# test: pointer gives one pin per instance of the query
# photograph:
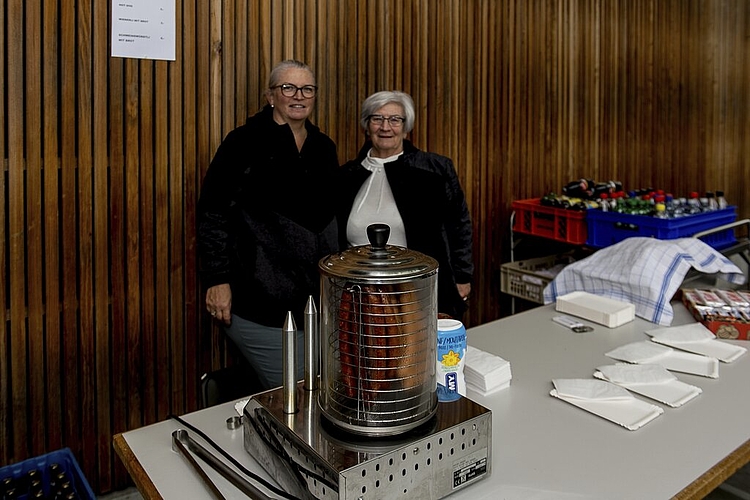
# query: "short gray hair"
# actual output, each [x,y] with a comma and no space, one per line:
[380,99]
[275,76]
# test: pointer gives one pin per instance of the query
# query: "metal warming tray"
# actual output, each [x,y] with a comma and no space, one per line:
[312,458]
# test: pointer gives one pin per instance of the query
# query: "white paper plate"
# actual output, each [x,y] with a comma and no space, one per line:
[673,393]
[678,361]
[711,348]
[631,414]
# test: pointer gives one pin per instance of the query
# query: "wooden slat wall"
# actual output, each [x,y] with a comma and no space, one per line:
[102,325]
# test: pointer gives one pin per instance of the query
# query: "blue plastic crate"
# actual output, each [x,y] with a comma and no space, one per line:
[608,228]
[64,457]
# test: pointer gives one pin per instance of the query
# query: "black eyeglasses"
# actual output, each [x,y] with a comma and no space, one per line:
[289,90]
[395,120]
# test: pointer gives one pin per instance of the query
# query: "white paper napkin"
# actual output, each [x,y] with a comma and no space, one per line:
[639,352]
[653,381]
[647,352]
[698,339]
[606,400]
[584,388]
[623,373]
[486,372]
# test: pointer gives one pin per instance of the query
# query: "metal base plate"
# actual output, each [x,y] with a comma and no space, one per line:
[311,458]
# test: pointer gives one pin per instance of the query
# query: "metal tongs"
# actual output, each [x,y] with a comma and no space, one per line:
[183,443]
[572,323]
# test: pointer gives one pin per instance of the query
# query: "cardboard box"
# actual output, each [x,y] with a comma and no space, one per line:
[725,325]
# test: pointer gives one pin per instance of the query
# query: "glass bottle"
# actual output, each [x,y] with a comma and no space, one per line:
[711,203]
[720,200]
[661,211]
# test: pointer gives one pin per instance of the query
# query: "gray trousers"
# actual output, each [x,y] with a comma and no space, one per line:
[261,346]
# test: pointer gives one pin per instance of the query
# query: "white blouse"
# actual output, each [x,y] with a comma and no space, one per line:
[374,203]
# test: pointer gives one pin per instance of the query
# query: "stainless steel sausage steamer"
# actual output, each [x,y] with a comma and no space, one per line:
[310,458]
[374,428]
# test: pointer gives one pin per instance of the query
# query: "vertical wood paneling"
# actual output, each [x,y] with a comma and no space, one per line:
[51,163]
[16,238]
[173,222]
[131,262]
[69,332]
[84,208]
[101,236]
[103,324]
[33,188]
[120,397]
[144,240]
[163,286]
[6,374]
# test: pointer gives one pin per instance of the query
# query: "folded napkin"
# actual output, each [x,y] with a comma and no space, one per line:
[645,272]
[652,381]
[484,372]
[627,374]
[698,339]
[647,352]
[584,388]
[606,400]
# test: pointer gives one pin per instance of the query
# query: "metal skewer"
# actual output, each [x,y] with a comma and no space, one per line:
[289,368]
[311,345]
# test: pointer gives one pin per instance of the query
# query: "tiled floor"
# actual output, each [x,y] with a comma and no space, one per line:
[128,494]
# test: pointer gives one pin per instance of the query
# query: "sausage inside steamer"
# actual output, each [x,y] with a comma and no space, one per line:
[382,340]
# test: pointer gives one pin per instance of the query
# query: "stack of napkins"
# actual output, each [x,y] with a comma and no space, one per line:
[485,373]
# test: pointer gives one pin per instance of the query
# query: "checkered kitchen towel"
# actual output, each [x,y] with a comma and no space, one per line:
[643,271]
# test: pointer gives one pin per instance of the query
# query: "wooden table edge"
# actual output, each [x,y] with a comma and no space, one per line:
[717,474]
[133,466]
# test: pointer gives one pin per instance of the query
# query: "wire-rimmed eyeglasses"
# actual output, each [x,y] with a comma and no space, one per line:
[289,90]
[395,120]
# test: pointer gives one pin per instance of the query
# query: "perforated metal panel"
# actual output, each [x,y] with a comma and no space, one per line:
[450,452]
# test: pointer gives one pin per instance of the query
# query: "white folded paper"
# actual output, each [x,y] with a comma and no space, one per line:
[647,352]
[698,339]
[606,400]
[484,372]
[603,310]
[653,381]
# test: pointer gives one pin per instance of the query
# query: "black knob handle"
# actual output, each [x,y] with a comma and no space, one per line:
[378,235]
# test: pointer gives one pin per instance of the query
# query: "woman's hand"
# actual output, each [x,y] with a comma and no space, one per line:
[464,289]
[219,302]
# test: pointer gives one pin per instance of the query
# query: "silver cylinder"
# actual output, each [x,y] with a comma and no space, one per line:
[312,351]
[378,334]
[289,366]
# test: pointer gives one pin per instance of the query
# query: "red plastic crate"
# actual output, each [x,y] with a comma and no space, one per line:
[531,217]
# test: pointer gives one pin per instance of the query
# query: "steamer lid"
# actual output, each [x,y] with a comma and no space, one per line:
[378,260]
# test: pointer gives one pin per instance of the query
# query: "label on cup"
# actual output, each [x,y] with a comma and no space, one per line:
[451,351]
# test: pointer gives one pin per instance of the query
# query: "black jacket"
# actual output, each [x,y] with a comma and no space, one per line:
[266,216]
[433,207]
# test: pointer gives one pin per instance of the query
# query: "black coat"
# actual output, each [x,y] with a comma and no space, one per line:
[433,207]
[266,216]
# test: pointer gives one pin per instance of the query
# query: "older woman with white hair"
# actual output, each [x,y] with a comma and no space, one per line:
[415,192]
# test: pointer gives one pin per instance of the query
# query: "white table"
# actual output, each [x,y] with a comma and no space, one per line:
[542,448]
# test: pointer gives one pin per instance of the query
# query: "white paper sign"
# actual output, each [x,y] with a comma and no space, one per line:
[143,29]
